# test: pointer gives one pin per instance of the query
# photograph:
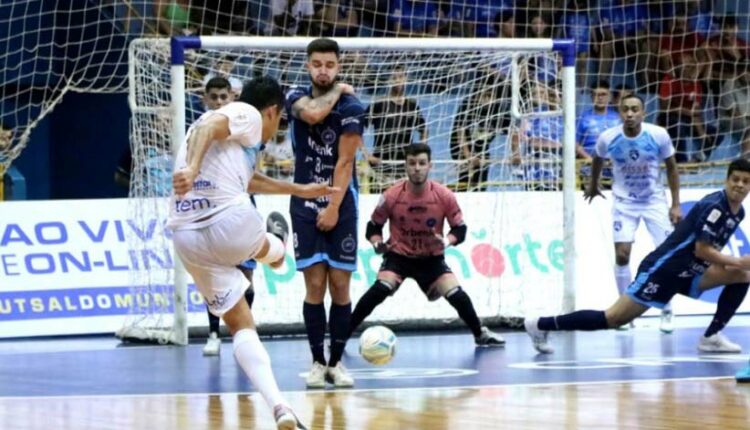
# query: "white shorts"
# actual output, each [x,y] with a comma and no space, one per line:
[210,254]
[627,216]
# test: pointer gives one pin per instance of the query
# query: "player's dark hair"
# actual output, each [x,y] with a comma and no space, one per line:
[739,165]
[419,148]
[633,96]
[262,92]
[323,45]
[601,83]
[218,83]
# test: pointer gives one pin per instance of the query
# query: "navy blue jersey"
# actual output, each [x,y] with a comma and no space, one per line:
[316,150]
[710,221]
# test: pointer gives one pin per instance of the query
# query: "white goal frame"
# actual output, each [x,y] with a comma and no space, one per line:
[566,49]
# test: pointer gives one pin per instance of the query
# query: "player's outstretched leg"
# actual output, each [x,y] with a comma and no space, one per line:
[276,225]
[622,312]
[729,300]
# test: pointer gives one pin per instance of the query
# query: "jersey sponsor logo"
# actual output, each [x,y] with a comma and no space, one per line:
[714,215]
[417,209]
[348,245]
[186,205]
[634,154]
[203,184]
[328,136]
[320,149]
[730,223]
[350,120]
[617,225]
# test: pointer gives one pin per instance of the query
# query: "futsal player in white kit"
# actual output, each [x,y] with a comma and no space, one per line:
[216,227]
[636,150]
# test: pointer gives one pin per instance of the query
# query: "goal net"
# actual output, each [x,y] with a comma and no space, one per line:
[500,102]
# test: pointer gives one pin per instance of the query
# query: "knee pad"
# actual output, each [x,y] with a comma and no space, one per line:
[452,291]
[276,250]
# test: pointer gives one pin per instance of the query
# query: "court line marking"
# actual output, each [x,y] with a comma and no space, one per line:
[370,390]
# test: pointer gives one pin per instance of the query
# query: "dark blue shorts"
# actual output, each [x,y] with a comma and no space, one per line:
[655,288]
[337,247]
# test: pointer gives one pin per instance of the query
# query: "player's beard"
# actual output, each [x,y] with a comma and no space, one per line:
[323,88]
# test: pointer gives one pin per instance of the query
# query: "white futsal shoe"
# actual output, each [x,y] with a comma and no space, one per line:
[665,324]
[538,337]
[489,338]
[276,225]
[213,345]
[316,378]
[339,376]
[286,419]
[718,343]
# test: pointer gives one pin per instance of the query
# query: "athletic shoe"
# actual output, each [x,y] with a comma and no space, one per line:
[286,419]
[276,225]
[718,343]
[488,338]
[213,345]
[624,327]
[317,376]
[743,375]
[339,376]
[538,337]
[665,325]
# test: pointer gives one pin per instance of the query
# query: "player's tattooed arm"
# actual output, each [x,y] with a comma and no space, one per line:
[314,110]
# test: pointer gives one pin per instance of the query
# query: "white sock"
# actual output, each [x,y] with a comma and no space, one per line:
[254,360]
[667,308]
[623,278]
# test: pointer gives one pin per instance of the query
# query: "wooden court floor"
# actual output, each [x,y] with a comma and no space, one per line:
[709,403]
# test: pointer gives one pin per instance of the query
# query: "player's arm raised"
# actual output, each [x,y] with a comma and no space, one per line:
[262,184]
[342,177]
[215,127]
[314,110]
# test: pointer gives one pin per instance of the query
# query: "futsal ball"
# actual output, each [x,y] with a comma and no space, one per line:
[377,345]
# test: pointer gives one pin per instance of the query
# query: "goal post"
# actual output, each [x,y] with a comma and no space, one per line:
[422,51]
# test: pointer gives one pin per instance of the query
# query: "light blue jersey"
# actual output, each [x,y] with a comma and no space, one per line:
[591,124]
[636,162]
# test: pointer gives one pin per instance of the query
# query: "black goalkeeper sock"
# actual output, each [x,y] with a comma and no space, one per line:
[462,304]
[339,320]
[579,320]
[315,324]
[213,322]
[374,296]
[249,297]
[729,300]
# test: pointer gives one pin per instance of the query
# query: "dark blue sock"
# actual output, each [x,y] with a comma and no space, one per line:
[374,296]
[462,304]
[315,324]
[213,322]
[729,300]
[249,297]
[579,320]
[338,325]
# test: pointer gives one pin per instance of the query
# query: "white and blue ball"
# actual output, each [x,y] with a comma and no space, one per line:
[377,345]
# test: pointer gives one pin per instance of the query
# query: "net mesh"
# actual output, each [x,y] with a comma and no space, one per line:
[458,101]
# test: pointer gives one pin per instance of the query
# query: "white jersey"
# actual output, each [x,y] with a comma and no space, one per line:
[636,162]
[225,172]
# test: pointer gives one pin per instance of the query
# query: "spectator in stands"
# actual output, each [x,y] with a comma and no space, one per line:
[734,108]
[339,18]
[394,120]
[544,67]
[173,17]
[221,17]
[477,18]
[576,25]
[538,145]
[594,121]
[726,51]
[217,93]
[622,33]
[700,19]
[505,23]
[278,155]
[677,42]
[481,117]
[621,91]
[681,98]
[6,137]
[224,68]
[418,18]
[291,17]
